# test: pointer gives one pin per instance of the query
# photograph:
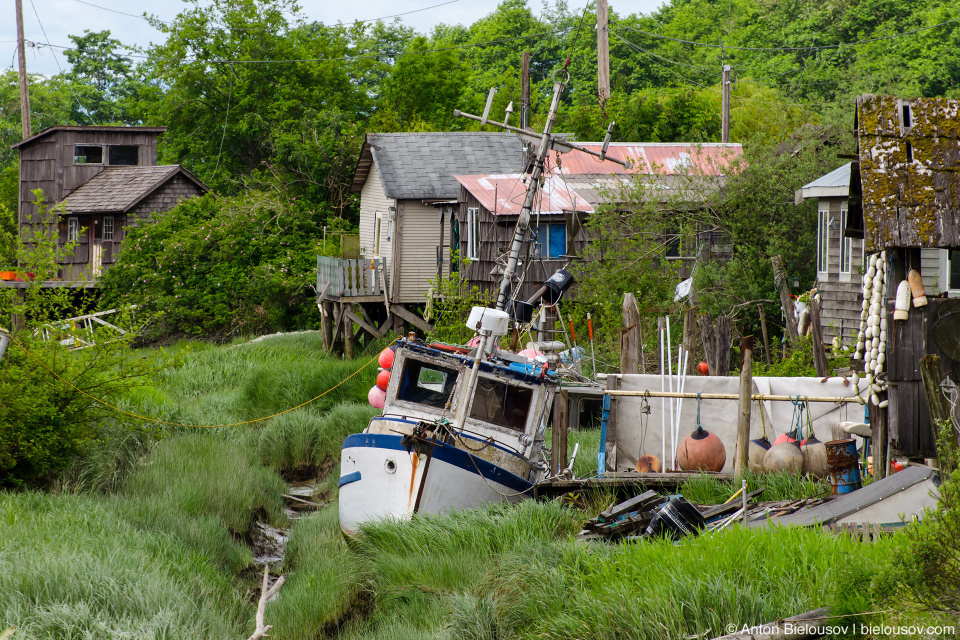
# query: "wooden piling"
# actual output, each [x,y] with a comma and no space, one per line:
[743,417]
[819,352]
[629,336]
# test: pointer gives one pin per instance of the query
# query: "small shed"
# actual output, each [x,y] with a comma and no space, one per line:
[107,178]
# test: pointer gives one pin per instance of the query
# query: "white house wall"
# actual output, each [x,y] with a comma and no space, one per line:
[418,240]
[372,200]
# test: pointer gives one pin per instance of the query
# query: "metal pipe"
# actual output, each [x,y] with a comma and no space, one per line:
[460,419]
[727,396]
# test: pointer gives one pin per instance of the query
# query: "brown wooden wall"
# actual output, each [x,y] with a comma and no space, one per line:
[163,199]
[496,233]
[911,433]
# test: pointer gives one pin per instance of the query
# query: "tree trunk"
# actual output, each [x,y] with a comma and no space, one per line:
[819,353]
[743,417]
[708,338]
[783,288]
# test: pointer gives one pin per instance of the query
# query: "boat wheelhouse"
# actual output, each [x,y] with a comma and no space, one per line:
[414,458]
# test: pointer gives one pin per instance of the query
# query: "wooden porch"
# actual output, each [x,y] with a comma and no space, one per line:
[354,301]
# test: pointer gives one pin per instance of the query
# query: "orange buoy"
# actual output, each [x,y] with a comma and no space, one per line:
[703,369]
[649,464]
[701,450]
[790,436]
[385,359]
[383,379]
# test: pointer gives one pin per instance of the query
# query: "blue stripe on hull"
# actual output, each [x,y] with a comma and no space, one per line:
[446,453]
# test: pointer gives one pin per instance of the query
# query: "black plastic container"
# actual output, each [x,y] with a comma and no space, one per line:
[556,285]
[676,519]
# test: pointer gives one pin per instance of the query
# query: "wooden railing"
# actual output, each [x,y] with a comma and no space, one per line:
[350,278]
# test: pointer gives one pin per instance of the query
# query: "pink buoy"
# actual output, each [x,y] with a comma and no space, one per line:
[376,397]
[383,379]
[385,360]
[529,354]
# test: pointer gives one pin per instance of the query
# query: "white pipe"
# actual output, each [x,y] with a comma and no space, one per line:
[673,454]
[673,425]
[663,407]
[683,385]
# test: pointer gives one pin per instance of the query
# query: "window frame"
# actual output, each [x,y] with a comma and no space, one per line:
[952,291]
[539,243]
[109,156]
[473,233]
[73,229]
[103,155]
[846,247]
[823,240]
[105,232]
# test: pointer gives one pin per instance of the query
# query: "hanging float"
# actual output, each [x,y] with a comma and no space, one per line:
[701,450]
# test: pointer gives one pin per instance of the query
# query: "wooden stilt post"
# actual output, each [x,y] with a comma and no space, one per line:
[743,417]
[783,288]
[348,336]
[629,338]
[326,325]
[555,436]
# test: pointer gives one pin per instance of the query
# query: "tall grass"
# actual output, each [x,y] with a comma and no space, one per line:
[72,566]
[777,486]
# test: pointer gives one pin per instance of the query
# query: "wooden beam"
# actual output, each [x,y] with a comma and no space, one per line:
[351,316]
[402,312]
[629,336]
[326,324]
[819,353]
[743,417]
[783,288]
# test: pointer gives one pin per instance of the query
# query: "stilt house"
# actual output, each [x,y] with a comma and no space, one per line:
[905,201]
[107,179]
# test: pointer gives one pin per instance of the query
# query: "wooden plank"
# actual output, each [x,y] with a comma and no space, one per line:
[351,316]
[412,318]
[819,353]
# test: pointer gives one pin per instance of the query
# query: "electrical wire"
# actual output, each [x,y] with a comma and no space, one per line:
[805,48]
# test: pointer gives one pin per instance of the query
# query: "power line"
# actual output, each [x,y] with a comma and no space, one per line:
[124,13]
[659,57]
[342,59]
[807,48]
[85,111]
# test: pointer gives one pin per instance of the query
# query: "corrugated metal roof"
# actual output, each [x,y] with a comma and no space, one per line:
[653,158]
[117,189]
[503,194]
[837,178]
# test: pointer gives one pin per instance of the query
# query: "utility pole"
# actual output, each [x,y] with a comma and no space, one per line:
[525,90]
[24,92]
[603,53]
[725,118]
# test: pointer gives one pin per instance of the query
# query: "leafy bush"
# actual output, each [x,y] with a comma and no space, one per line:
[221,267]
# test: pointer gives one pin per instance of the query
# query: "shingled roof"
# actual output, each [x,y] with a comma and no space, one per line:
[119,189]
[423,165]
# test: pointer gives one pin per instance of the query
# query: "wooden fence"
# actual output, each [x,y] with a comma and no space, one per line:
[350,278]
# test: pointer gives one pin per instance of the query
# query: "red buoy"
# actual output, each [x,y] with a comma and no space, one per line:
[386,358]
[383,379]
[790,436]
[701,450]
[649,464]
[703,369]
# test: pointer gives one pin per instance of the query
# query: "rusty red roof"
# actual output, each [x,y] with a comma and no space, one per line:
[503,194]
[663,158]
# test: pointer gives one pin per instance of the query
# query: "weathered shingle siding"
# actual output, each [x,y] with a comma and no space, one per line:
[165,198]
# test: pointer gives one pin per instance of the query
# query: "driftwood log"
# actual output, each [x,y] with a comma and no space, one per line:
[265,594]
[799,627]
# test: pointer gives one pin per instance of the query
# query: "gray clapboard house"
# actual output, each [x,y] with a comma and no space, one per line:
[841,258]
[408,207]
[107,179]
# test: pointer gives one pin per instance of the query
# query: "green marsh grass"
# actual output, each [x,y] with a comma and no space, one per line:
[72,566]
[777,486]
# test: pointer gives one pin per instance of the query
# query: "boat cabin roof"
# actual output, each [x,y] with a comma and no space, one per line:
[505,372]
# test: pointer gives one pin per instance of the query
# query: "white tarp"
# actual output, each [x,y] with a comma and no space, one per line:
[640,434]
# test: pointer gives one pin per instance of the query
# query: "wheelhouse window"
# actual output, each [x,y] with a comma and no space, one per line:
[823,238]
[87,154]
[427,384]
[501,404]
[550,240]
[124,155]
[108,228]
[473,233]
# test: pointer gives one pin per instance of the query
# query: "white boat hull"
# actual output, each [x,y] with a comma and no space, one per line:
[381,479]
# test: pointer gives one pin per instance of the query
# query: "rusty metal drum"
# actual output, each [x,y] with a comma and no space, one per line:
[843,466]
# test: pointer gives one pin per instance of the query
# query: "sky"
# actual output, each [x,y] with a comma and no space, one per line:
[53,20]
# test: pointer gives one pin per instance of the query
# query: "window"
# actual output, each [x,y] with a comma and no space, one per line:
[87,154]
[953,269]
[426,384]
[501,404]
[377,229]
[473,233]
[124,154]
[823,237]
[550,239]
[846,245]
[73,229]
[108,228]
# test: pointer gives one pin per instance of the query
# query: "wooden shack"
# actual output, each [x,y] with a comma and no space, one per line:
[107,179]
[905,200]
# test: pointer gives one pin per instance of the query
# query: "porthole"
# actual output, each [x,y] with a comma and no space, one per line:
[391,465]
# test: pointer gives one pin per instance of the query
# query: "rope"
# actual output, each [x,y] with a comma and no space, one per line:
[699,426]
[180,424]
